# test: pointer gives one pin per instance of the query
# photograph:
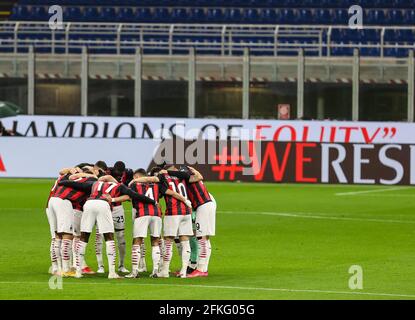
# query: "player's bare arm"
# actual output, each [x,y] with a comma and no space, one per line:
[146,180]
[121,199]
[72,171]
[196,175]
[82,175]
[108,178]
[179,197]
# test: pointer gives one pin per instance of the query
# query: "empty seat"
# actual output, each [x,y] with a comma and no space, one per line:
[304,17]
[72,14]
[233,15]
[215,15]
[251,16]
[322,16]
[161,15]
[126,14]
[269,16]
[91,14]
[179,15]
[144,15]
[197,15]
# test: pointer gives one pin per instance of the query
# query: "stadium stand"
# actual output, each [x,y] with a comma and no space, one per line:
[311,13]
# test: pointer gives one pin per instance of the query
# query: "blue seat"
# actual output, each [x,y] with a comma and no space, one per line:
[161,15]
[288,16]
[304,16]
[126,14]
[341,17]
[72,14]
[377,17]
[250,16]
[20,13]
[215,15]
[108,14]
[323,16]
[197,15]
[144,15]
[179,15]
[395,17]
[269,16]
[409,17]
[39,13]
[91,14]
[233,15]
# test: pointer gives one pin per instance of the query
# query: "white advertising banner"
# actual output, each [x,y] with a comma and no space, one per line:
[150,128]
[44,157]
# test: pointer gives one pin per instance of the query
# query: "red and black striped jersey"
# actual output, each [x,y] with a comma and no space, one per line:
[98,190]
[125,178]
[176,207]
[152,190]
[76,197]
[198,194]
[54,188]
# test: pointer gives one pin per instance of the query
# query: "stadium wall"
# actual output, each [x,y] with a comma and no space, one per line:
[284,151]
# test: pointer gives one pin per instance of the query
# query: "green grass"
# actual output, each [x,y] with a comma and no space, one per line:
[273,241]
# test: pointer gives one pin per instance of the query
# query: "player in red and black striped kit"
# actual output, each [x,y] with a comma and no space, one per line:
[123,175]
[205,206]
[148,216]
[56,239]
[97,209]
[177,222]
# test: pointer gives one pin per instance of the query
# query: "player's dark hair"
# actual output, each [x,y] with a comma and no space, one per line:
[102,165]
[154,171]
[141,172]
[119,166]
[86,170]
[84,164]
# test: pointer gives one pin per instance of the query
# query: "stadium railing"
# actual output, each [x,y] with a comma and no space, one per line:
[212,39]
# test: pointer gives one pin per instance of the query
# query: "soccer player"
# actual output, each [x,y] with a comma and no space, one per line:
[148,216]
[121,175]
[56,239]
[205,206]
[177,222]
[97,210]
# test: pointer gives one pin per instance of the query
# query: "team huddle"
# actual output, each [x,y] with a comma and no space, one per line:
[90,195]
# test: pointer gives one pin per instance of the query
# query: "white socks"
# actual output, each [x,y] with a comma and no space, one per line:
[80,255]
[135,257]
[155,255]
[66,248]
[111,255]
[98,249]
[168,252]
[203,255]
[142,263]
[185,256]
[53,256]
[57,249]
[121,246]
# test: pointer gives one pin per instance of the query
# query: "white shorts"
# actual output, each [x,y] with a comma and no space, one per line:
[52,223]
[77,216]
[99,212]
[62,211]
[118,217]
[142,224]
[178,225]
[206,219]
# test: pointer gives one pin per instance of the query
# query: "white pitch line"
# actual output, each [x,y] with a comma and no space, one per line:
[110,283]
[370,191]
[308,216]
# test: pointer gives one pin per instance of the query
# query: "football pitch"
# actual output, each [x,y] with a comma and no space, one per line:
[274,241]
